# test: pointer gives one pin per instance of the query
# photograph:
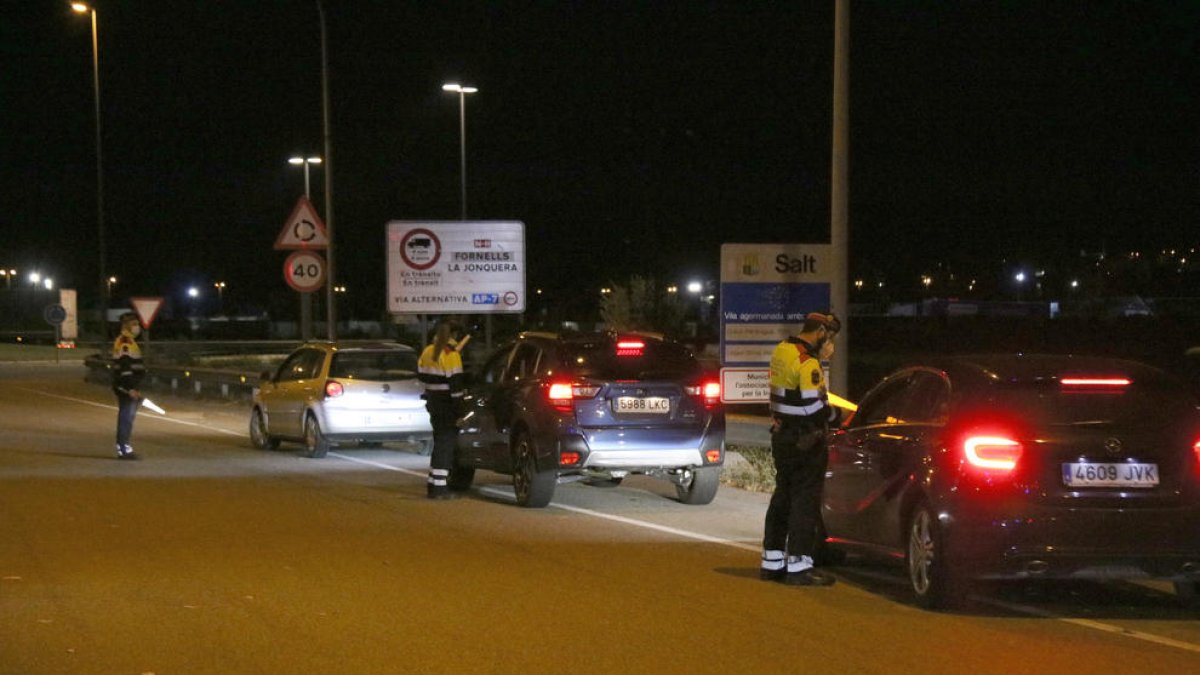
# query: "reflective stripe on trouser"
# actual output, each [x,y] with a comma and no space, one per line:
[773,560]
[793,521]
[437,477]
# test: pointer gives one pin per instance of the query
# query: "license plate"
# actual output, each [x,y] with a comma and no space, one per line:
[1110,475]
[652,405]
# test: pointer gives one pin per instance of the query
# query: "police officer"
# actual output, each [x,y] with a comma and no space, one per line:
[440,369]
[127,371]
[801,415]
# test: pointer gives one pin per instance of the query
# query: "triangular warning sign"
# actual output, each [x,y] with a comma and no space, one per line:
[304,229]
[146,308]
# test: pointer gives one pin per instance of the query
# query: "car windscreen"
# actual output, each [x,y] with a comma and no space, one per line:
[1137,405]
[655,361]
[374,366]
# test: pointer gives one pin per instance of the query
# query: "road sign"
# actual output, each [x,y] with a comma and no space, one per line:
[304,271]
[304,230]
[456,267]
[147,309]
[54,314]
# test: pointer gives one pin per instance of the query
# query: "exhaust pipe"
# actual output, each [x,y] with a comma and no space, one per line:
[1037,568]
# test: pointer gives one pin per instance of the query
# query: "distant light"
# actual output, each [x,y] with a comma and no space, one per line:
[34,277]
[695,287]
[296,160]
[80,7]
[1020,277]
[672,288]
[48,283]
[112,280]
[455,87]
[1074,283]
[194,292]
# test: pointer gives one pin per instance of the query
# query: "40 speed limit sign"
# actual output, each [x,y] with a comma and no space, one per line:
[304,271]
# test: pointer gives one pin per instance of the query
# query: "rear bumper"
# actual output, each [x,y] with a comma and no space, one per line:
[633,449]
[375,424]
[1038,542]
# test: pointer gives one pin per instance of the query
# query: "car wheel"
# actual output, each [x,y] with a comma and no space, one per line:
[460,478]
[533,488]
[1188,593]
[702,488]
[933,583]
[315,443]
[259,434]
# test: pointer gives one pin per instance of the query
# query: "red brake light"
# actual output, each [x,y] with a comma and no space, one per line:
[992,452]
[561,394]
[333,389]
[630,347]
[1095,384]
[568,457]
[710,390]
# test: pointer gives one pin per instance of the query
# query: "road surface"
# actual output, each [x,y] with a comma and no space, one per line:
[211,557]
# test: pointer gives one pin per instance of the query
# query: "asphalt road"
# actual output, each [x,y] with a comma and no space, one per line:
[211,557]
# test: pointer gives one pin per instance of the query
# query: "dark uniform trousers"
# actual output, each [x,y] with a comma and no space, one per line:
[793,522]
[442,416]
[127,408]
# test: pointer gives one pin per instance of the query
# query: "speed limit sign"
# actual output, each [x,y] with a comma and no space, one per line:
[304,271]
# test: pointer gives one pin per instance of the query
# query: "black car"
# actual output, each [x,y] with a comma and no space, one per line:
[550,408]
[1021,467]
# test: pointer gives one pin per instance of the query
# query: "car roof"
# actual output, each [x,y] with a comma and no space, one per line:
[1025,368]
[373,346]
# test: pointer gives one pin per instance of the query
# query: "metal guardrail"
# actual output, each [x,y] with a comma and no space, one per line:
[183,380]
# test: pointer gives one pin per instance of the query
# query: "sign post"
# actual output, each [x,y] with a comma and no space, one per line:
[304,231]
[55,315]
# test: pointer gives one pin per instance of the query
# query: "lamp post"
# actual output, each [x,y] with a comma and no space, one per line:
[8,276]
[306,298]
[462,134]
[305,161]
[220,286]
[82,8]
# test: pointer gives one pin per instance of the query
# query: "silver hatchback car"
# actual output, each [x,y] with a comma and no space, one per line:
[327,394]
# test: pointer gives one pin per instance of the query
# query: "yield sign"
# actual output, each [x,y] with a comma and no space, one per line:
[146,308]
[304,229]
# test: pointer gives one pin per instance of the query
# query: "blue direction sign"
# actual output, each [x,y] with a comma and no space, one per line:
[55,314]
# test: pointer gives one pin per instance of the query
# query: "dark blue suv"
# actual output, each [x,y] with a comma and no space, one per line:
[553,408]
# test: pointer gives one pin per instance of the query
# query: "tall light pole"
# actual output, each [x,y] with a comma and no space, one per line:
[103,288]
[330,305]
[462,134]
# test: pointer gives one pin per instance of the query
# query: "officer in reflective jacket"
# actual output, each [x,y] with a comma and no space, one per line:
[127,373]
[801,416]
[440,369]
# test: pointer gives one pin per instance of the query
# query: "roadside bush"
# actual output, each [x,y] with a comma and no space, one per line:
[755,471]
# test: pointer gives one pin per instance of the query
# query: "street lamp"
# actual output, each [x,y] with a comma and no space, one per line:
[220,286]
[304,161]
[8,275]
[462,134]
[35,278]
[82,8]
[108,283]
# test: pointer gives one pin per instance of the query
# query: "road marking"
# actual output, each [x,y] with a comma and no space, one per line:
[688,534]
[161,418]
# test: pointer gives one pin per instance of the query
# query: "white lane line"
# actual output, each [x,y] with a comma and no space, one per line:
[1032,611]
[161,418]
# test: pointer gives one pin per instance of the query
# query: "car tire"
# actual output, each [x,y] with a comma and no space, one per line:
[1188,593]
[260,435]
[933,583]
[702,489]
[460,478]
[315,443]
[533,488]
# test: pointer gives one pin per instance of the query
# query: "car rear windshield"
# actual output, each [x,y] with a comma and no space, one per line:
[375,366]
[657,361]
[1137,405]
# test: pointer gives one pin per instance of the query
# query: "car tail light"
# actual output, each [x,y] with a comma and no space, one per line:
[709,390]
[562,394]
[630,347]
[568,458]
[333,389]
[992,452]
[1196,452]
[712,456]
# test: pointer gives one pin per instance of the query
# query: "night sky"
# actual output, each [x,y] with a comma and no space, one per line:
[628,136]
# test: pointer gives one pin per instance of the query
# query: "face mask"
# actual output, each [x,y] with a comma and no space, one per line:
[135,330]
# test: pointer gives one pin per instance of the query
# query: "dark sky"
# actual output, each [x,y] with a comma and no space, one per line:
[628,136]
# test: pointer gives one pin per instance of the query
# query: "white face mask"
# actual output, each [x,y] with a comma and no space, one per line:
[826,351]
[135,330]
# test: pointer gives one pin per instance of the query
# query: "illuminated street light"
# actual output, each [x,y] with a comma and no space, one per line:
[193,292]
[108,286]
[48,283]
[220,286]
[462,134]
[8,275]
[695,287]
[83,8]
[305,162]
[35,278]
[672,289]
